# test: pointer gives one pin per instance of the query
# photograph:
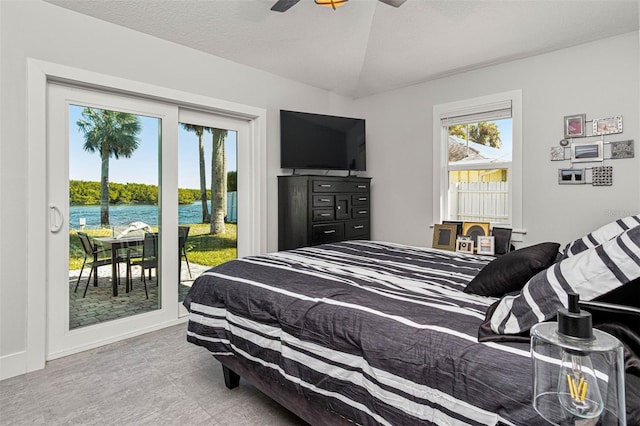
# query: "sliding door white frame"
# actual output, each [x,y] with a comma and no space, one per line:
[39,73]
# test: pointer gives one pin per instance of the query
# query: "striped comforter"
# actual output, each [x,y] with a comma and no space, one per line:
[377,332]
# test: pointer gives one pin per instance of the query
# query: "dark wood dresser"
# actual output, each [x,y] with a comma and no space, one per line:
[321,209]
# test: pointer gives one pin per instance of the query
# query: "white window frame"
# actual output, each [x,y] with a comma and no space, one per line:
[441,160]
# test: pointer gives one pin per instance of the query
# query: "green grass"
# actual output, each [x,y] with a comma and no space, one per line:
[202,247]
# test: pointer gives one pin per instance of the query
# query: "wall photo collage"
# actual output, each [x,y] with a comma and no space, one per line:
[584,145]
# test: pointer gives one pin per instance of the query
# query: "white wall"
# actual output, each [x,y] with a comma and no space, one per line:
[34,29]
[600,79]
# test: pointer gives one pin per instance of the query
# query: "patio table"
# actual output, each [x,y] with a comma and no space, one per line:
[117,244]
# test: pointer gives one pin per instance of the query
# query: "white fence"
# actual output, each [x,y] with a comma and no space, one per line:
[479,201]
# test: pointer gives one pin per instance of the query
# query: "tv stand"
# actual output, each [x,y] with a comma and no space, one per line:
[322,209]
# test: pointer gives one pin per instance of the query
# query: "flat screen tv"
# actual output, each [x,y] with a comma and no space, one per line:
[316,141]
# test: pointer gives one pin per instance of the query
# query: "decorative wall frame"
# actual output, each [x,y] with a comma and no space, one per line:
[602,176]
[622,149]
[557,153]
[587,152]
[486,245]
[444,237]
[574,125]
[464,245]
[571,176]
[607,126]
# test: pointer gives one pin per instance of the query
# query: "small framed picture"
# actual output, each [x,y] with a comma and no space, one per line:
[622,149]
[602,176]
[557,153]
[486,245]
[571,176]
[444,237]
[586,152]
[574,126]
[607,126]
[502,239]
[464,245]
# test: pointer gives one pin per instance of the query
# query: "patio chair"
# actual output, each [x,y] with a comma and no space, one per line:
[183,234]
[95,256]
[148,259]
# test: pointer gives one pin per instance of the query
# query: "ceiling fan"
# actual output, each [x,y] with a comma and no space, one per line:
[284,5]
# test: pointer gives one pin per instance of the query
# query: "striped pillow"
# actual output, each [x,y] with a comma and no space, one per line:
[601,235]
[591,273]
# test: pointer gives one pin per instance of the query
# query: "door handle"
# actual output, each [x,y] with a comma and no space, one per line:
[56,220]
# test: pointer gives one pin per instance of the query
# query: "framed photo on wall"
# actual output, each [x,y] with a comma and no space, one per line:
[444,236]
[607,126]
[574,126]
[587,151]
[572,176]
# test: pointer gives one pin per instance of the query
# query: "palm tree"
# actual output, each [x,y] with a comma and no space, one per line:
[199,131]
[218,182]
[111,134]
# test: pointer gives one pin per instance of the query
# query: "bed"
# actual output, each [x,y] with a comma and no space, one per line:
[365,332]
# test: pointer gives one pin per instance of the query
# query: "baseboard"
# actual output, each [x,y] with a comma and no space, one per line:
[13,365]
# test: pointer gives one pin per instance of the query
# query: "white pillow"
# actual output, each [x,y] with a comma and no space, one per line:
[591,273]
[601,235]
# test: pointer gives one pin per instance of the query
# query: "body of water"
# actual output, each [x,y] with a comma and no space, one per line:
[123,215]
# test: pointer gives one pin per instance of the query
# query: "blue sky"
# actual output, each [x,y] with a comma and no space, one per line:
[142,166]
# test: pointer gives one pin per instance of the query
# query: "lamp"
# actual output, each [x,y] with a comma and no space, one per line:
[578,372]
[331,3]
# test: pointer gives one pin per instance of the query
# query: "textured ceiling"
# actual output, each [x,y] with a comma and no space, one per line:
[366,47]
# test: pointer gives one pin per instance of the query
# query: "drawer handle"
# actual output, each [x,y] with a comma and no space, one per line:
[358,227]
[362,212]
[331,231]
[325,200]
[325,186]
[361,186]
[325,214]
[362,199]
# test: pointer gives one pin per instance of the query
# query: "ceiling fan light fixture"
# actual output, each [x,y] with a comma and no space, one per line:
[334,4]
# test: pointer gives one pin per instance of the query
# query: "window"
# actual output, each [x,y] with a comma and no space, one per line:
[477,167]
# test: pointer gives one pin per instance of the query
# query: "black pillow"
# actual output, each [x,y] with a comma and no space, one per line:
[512,271]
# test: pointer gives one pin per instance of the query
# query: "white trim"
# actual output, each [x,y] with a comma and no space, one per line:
[13,364]
[38,73]
[440,159]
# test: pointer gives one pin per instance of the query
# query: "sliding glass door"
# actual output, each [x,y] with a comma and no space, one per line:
[207,193]
[136,213]
[108,246]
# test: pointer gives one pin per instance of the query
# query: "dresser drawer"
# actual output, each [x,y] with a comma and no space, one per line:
[356,228]
[359,200]
[327,233]
[323,215]
[359,211]
[319,185]
[323,201]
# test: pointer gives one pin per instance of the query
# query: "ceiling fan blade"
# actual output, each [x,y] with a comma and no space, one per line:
[283,5]
[394,3]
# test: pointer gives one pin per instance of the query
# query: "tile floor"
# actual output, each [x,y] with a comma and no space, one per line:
[155,379]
